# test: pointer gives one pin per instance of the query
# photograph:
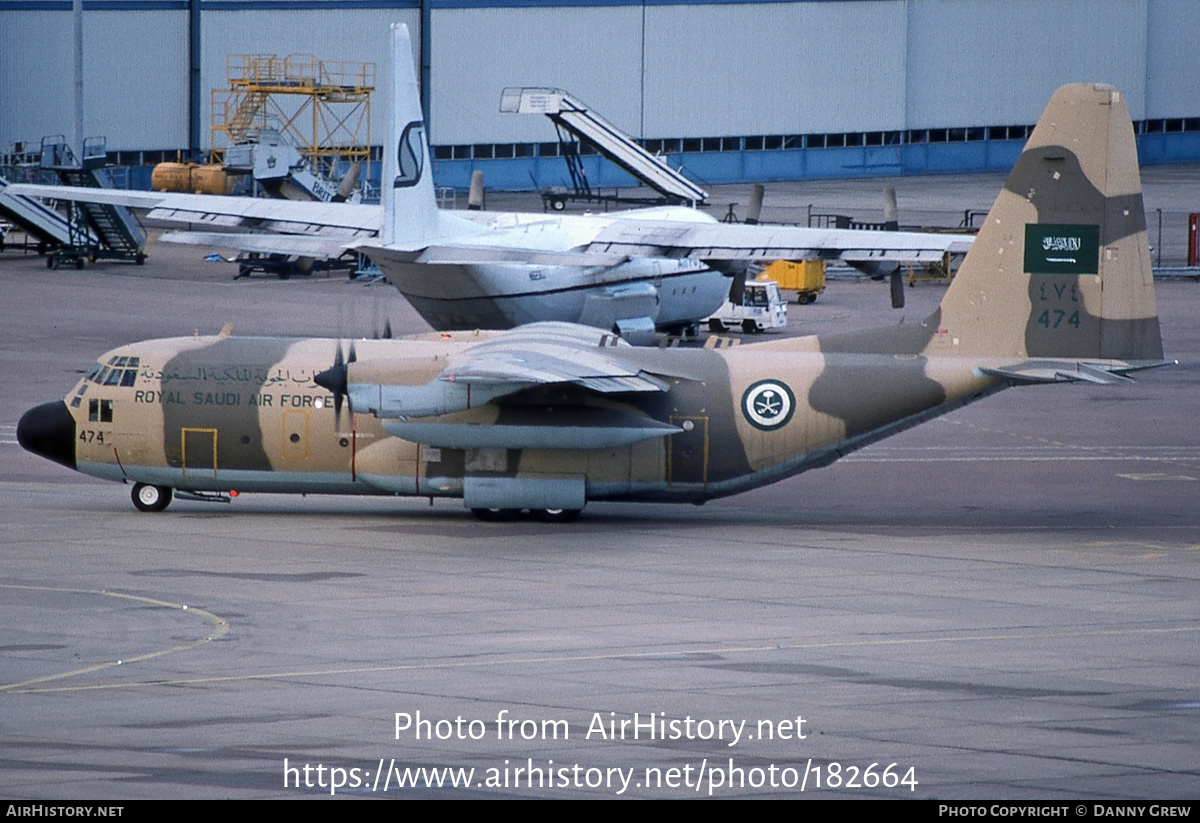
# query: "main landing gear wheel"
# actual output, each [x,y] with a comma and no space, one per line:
[556,515]
[494,515]
[151,498]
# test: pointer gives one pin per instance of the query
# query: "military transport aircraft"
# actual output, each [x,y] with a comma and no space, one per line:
[546,417]
[630,272]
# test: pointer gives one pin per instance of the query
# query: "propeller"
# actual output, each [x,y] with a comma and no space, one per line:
[896,283]
[336,379]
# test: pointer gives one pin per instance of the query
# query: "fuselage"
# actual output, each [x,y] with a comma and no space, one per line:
[666,292]
[244,414]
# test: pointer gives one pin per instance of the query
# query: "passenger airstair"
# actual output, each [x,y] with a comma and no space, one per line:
[571,116]
[96,231]
[44,225]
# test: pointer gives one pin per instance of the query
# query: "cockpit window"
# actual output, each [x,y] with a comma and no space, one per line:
[120,371]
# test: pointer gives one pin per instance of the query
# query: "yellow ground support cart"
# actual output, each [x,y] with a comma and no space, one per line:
[806,278]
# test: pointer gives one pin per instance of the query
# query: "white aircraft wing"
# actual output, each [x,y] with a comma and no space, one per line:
[301,245]
[346,220]
[726,241]
[267,226]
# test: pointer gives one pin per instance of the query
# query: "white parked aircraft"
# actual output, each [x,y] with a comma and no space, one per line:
[630,272]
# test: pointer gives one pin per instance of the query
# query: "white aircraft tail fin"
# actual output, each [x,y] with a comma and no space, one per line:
[410,206]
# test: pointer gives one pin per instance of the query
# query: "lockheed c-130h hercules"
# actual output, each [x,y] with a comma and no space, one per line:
[1057,288]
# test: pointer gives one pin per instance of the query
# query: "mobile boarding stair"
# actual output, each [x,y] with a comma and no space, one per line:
[572,117]
[96,231]
[47,228]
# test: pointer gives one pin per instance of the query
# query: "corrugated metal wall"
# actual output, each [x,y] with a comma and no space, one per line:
[703,69]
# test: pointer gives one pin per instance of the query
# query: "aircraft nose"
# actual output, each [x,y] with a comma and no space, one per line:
[49,430]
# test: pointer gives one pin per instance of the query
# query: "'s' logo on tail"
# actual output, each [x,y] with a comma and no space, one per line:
[410,154]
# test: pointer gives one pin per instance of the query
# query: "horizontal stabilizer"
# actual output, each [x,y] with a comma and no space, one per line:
[1070,372]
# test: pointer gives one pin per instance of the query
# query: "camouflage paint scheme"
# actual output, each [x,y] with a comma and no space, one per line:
[551,415]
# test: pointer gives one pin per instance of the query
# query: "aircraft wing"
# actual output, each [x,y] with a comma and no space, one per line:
[292,217]
[300,245]
[542,353]
[448,411]
[733,241]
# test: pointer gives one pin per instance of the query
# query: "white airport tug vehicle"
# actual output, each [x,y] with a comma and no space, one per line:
[762,308]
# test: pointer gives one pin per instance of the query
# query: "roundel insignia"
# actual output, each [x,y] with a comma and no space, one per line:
[768,404]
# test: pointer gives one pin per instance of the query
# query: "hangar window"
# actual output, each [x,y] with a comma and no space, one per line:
[1191,124]
[754,143]
[483,151]
[692,144]
[854,138]
[523,150]
[975,134]
[504,150]
[548,149]
[443,152]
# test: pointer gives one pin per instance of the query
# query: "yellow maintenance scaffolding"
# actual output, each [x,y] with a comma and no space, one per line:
[320,107]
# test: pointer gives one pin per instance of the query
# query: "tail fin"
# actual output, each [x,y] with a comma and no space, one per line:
[1061,269]
[409,204]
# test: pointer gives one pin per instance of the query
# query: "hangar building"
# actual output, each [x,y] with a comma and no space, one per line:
[731,90]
